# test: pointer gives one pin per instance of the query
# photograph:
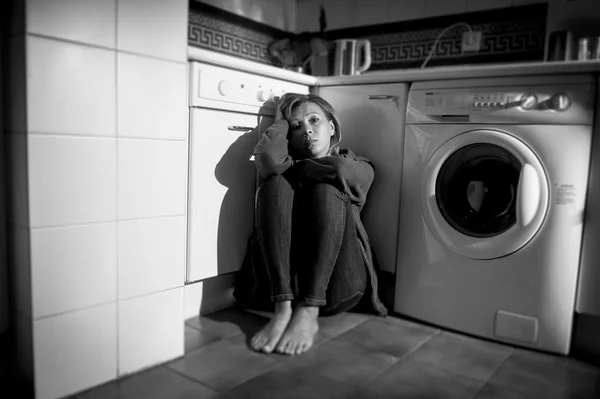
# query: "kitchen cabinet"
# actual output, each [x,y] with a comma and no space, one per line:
[372,119]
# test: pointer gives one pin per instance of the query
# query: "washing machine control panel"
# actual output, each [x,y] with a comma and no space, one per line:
[524,101]
[531,104]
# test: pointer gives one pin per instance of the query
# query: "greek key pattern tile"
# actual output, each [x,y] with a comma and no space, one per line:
[523,40]
[213,34]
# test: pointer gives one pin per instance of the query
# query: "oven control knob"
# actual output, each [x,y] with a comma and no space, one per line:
[560,102]
[264,95]
[528,101]
[225,88]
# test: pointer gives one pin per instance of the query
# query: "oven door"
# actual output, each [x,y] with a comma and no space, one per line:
[222,185]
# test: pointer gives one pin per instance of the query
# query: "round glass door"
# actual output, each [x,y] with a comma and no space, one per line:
[485,194]
[476,190]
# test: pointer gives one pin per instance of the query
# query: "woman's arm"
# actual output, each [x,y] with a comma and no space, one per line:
[349,173]
[271,153]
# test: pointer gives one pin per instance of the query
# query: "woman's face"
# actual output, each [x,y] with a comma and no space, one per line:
[310,131]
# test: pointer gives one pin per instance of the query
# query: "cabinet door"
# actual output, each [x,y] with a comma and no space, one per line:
[222,183]
[374,128]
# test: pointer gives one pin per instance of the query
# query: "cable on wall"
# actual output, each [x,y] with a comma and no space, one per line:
[442,33]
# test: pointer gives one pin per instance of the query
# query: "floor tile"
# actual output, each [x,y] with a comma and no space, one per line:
[547,375]
[282,382]
[397,339]
[196,339]
[415,380]
[155,383]
[340,323]
[491,392]
[245,340]
[228,322]
[222,364]
[463,355]
[347,363]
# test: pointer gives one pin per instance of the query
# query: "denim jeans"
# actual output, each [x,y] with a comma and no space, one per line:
[308,240]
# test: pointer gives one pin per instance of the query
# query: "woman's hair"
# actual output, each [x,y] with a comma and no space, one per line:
[290,101]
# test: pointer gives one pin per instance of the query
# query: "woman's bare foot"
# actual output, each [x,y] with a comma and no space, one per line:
[298,337]
[267,338]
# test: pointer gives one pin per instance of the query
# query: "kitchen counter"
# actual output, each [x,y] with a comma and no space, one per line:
[398,75]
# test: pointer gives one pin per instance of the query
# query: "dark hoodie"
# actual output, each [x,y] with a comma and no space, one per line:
[347,172]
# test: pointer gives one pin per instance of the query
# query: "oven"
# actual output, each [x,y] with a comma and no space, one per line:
[228,112]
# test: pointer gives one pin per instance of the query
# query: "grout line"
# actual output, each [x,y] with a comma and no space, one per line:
[486,382]
[58,226]
[71,311]
[118,345]
[98,136]
[163,365]
[101,47]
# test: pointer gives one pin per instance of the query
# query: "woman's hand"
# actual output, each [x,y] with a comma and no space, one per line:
[278,114]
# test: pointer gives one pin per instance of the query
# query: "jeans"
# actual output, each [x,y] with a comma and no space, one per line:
[309,244]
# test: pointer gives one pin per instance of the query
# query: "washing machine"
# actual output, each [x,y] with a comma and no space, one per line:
[494,179]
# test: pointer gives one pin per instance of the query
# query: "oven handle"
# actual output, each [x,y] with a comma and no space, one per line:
[240,128]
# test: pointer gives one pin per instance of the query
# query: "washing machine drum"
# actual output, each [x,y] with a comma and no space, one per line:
[485,194]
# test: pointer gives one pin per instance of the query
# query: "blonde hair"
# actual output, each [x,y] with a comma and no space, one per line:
[290,101]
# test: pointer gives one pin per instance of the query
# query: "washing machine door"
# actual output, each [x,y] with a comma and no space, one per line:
[485,194]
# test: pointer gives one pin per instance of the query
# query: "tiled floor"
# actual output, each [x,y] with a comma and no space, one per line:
[355,356]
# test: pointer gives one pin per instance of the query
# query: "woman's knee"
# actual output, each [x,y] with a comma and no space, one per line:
[323,191]
[275,185]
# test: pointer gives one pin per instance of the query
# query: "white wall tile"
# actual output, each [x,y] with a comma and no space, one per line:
[434,8]
[150,330]
[19,263]
[482,5]
[152,178]
[15,164]
[87,21]
[73,267]
[75,351]
[72,180]
[151,255]
[14,113]
[71,88]
[152,98]
[156,27]
[371,12]
[406,10]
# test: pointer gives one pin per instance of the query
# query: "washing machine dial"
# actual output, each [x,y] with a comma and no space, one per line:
[528,101]
[560,102]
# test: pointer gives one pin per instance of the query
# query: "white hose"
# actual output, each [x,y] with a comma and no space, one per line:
[442,33]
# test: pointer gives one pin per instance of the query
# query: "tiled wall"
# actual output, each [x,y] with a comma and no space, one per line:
[401,31]
[508,35]
[215,29]
[279,14]
[96,148]
[343,14]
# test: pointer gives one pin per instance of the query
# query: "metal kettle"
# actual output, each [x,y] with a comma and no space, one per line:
[351,56]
